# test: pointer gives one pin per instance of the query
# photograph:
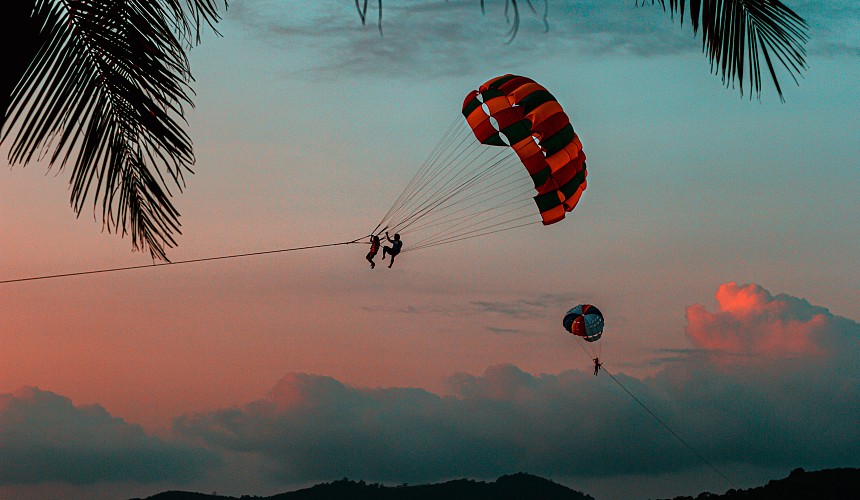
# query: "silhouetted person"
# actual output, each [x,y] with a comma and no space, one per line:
[374,247]
[597,365]
[394,249]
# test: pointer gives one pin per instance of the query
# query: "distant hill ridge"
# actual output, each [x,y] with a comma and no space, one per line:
[512,487]
[828,484]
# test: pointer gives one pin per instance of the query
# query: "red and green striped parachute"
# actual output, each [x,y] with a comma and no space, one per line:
[468,188]
[515,111]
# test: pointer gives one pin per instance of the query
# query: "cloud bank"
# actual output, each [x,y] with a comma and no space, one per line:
[771,382]
[795,406]
[45,438]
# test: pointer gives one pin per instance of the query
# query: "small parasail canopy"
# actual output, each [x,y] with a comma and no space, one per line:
[515,111]
[586,321]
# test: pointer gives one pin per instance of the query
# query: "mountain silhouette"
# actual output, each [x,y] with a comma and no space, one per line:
[512,487]
[828,484]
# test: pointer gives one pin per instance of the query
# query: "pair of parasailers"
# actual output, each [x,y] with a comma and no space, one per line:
[393,250]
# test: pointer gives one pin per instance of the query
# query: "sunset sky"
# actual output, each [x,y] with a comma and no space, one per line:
[719,235]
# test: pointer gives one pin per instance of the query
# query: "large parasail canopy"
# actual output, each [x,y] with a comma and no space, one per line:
[515,149]
[514,111]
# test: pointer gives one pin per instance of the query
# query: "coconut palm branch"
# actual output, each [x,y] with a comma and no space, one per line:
[104,92]
[736,32]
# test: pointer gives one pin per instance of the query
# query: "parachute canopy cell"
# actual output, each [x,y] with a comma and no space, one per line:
[514,111]
[584,321]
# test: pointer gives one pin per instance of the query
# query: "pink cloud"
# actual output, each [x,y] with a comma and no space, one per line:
[751,321]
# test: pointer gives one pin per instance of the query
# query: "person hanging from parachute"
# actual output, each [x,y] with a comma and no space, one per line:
[374,247]
[586,322]
[394,249]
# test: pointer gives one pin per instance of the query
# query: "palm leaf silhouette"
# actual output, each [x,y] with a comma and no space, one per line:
[735,33]
[104,94]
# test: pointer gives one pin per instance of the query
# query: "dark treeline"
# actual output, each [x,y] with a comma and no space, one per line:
[512,487]
[829,484]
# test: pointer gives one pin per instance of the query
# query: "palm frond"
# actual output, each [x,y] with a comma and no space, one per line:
[362,14]
[510,6]
[735,33]
[106,94]
[188,16]
[19,33]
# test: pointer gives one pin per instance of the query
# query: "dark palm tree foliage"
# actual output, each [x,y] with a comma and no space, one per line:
[102,89]
[101,85]
[735,32]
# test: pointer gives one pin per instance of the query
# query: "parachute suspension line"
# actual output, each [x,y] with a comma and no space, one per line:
[593,353]
[464,189]
[436,163]
[453,223]
[473,236]
[661,422]
[433,189]
[447,236]
[443,143]
[454,226]
[597,347]
[441,147]
[177,262]
[452,216]
[433,167]
[439,196]
[600,346]
[491,192]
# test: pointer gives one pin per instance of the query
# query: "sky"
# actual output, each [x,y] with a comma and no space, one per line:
[719,235]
